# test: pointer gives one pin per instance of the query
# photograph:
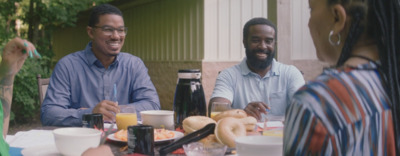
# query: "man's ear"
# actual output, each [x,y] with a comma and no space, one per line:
[244,43]
[340,16]
[89,31]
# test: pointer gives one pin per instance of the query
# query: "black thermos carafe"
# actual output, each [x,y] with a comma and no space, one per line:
[189,97]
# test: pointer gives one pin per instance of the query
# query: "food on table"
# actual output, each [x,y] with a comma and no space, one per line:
[228,129]
[159,134]
[209,139]
[250,122]
[231,124]
[236,113]
[213,114]
[121,135]
[194,123]
[178,151]
[126,119]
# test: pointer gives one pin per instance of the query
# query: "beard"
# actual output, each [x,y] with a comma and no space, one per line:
[256,63]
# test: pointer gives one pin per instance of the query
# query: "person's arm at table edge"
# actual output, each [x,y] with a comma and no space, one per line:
[69,120]
[6,92]
[55,111]
[14,55]
[143,93]
[151,102]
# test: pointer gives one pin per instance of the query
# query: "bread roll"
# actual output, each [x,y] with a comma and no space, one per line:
[209,140]
[249,122]
[236,113]
[228,129]
[194,123]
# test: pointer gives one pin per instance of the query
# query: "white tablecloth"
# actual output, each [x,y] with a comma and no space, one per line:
[24,139]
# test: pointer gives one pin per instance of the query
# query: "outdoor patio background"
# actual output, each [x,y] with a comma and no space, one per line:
[205,34]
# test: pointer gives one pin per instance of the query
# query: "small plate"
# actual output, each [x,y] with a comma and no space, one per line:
[42,150]
[177,136]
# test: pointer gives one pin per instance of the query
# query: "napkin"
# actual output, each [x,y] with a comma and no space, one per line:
[31,138]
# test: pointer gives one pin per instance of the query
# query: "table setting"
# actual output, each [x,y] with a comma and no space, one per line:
[41,140]
[186,130]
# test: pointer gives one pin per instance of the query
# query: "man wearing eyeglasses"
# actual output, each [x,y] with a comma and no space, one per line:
[100,77]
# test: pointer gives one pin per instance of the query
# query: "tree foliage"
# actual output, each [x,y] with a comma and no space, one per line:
[36,20]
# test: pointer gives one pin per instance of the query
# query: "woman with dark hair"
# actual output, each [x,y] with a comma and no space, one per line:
[353,108]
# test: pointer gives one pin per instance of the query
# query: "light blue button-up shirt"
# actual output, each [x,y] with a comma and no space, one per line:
[79,80]
[242,86]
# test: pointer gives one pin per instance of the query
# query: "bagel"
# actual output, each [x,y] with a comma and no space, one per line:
[194,123]
[236,113]
[209,140]
[249,122]
[228,129]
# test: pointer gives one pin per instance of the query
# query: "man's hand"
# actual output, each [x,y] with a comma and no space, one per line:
[255,109]
[108,109]
[102,150]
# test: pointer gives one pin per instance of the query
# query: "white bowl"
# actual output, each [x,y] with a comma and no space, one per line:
[259,145]
[74,141]
[158,118]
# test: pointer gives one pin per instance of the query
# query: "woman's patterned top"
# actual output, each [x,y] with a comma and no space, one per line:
[345,111]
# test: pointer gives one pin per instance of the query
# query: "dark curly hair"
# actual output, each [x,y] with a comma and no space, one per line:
[256,21]
[102,10]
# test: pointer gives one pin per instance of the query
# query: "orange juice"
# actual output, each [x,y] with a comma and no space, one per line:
[126,119]
[214,114]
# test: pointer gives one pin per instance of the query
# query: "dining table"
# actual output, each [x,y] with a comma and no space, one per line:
[42,136]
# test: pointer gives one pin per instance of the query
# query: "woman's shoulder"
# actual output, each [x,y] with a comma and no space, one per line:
[340,85]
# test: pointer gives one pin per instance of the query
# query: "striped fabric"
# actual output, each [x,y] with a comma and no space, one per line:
[343,112]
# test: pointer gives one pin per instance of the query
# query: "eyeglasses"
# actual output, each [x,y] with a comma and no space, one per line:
[108,31]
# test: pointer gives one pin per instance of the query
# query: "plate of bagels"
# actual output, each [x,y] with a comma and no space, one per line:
[230,125]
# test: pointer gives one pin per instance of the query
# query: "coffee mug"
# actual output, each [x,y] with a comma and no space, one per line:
[141,139]
[93,121]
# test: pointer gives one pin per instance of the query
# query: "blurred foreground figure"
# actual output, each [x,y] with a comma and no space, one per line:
[352,108]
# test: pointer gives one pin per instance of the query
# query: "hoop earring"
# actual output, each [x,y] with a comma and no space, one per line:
[330,39]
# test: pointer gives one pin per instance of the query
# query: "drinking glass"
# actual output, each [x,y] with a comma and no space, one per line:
[272,125]
[126,117]
[218,107]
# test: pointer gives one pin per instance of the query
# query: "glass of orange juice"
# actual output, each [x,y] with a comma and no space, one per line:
[218,107]
[126,117]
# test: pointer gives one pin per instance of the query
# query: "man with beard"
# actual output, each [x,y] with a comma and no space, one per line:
[98,78]
[258,82]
